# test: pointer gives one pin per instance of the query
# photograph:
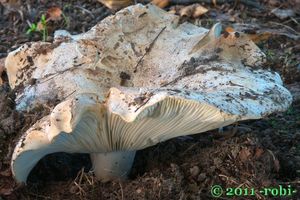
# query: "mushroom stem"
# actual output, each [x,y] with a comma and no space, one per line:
[112,165]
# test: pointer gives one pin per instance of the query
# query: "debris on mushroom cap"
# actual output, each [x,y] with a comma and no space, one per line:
[136,79]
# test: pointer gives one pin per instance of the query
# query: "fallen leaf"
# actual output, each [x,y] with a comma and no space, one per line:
[54,14]
[6,172]
[276,165]
[229,29]
[161,3]
[6,191]
[258,152]
[234,152]
[195,10]
[199,11]
[138,190]
[186,11]
[116,4]
[40,26]
[11,4]
[244,154]
[257,38]
[273,2]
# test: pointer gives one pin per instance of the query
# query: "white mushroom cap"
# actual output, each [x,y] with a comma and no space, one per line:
[142,79]
[94,61]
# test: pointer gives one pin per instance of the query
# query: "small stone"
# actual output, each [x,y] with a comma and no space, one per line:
[49,39]
[194,171]
[202,177]
[212,169]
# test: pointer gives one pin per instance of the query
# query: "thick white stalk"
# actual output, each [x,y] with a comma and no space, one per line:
[112,165]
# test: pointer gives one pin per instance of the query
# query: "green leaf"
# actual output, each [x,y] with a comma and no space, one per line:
[33,27]
[43,20]
[29,31]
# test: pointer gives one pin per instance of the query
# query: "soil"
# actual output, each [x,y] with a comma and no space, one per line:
[250,154]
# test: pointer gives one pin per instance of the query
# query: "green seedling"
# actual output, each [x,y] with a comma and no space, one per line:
[43,29]
[290,111]
[272,122]
[270,55]
[32,28]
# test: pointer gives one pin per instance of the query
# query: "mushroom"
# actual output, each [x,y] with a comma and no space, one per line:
[163,80]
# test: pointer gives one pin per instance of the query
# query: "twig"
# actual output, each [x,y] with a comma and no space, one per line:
[39,196]
[142,104]
[292,19]
[291,182]
[68,95]
[97,58]
[81,175]
[86,10]
[188,149]
[148,49]
[29,23]
[286,26]
[91,182]
[122,193]
[172,82]
[81,191]
[50,78]
[257,194]
[53,75]
[229,178]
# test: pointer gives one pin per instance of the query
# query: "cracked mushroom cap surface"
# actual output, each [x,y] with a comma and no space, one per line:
[136,79]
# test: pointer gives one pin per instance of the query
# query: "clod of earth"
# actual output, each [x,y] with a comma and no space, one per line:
[136,79]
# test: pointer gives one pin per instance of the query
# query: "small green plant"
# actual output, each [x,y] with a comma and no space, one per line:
[44,27]
[32,28]
[273,122]
[290,111]
[41,27]
[270,55]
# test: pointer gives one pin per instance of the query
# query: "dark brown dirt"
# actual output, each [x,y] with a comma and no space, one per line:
[250,154]
[81,15]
